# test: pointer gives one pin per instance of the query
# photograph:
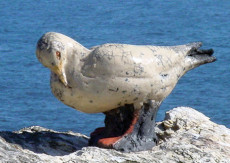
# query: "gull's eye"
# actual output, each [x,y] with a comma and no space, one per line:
[58,55]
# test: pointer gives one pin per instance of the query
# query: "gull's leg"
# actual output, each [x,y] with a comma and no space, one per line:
[143,136]
[127,129]
[117,122]
[108,142]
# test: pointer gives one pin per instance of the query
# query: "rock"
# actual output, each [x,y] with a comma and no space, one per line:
[186,135]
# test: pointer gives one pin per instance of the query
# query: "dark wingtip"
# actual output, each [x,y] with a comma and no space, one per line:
[208,51]
[195,51]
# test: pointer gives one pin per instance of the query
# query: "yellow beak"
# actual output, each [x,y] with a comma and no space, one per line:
[57,70]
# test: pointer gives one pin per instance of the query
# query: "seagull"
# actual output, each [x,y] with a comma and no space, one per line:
[125,82]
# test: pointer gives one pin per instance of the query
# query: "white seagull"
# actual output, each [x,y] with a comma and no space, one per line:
[112,76]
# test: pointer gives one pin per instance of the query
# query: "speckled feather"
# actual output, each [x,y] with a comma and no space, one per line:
[112,75]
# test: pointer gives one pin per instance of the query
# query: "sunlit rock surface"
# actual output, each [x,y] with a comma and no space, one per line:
[186,135]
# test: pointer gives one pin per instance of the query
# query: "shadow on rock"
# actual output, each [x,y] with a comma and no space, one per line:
[41,140]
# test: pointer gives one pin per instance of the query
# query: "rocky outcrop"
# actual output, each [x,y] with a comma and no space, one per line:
[186,135]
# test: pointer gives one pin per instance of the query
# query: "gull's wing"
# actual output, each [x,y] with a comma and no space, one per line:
[137,61]
[117,60]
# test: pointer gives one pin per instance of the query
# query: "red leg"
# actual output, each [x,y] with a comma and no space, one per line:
[108,142]
[127,129]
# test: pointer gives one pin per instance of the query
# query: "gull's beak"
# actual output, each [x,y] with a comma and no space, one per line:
[61,75]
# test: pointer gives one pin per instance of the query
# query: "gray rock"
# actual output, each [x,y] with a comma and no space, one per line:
[186,135]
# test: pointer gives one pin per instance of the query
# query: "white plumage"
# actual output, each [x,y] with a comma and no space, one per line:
[112,75]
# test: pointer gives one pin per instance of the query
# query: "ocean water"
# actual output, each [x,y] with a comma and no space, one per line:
[25,96]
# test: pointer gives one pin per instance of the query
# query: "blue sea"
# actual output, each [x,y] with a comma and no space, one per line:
[25,95]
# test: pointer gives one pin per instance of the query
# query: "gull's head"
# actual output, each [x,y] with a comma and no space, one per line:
[51,52]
